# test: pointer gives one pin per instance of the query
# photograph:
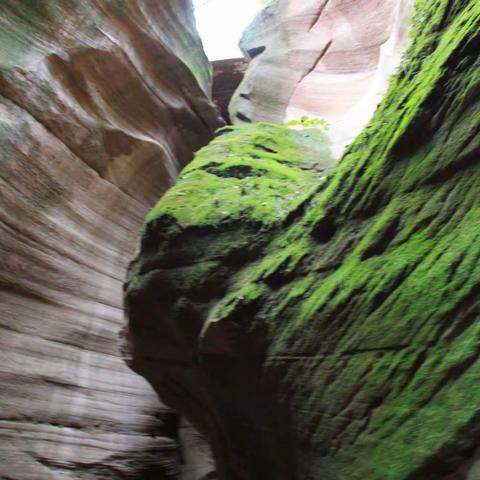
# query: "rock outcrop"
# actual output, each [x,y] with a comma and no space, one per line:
[101,103]
[227,76]
[242,186]
[322,58]
[328,328]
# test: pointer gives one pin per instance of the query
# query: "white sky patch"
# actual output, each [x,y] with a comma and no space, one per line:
[221,23]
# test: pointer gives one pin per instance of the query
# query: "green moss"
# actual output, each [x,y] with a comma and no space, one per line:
[258,173]
[367,281]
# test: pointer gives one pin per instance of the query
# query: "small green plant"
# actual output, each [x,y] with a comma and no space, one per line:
[307,122]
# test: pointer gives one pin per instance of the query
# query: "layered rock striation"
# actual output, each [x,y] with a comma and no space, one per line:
[329,328]
[101,103]
[321,58]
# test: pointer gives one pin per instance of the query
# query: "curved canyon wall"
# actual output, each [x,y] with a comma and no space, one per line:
[101,103]
[321,58]
[327,326]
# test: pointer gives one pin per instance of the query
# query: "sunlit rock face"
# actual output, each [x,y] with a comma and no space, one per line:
[322,58]
[101,103]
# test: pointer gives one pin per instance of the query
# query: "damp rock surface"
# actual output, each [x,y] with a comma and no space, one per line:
[197,245]
[333,334]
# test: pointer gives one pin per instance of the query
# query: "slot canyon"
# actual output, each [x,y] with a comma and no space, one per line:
[247,268]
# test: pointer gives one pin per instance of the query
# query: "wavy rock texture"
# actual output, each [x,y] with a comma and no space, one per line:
[321,58]
[328,328]
[101,102]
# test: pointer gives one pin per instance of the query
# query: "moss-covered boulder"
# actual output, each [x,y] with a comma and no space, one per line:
[226,208]
[335,334]
[253,173]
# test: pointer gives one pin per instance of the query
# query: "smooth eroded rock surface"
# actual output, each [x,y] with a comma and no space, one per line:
[321,58]
[329,328]
[101,103]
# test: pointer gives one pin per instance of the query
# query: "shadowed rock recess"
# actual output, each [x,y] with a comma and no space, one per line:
[319,326]
[101,103]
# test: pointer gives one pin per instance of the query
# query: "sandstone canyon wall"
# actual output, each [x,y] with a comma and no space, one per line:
[101,103]
[327,326]
[321,58]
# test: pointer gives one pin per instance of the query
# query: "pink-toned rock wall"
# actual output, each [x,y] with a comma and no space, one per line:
[321,58]
[101,103]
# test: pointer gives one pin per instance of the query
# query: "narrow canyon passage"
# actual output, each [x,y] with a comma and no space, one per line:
[293,296]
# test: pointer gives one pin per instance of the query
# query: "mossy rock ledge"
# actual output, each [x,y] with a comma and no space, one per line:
[320,326]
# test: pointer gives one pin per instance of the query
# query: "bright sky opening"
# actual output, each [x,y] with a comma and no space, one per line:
[221,23]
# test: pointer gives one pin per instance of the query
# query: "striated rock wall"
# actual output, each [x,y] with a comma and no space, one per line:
[101,103]
[329,328]
[322,58]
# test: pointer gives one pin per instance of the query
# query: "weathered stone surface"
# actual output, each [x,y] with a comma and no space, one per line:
[333,335]
[101,102]
[227,75]
[321,58]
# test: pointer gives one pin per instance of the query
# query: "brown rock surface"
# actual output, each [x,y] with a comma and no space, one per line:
[227,75]
[101,103]
[321,58]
